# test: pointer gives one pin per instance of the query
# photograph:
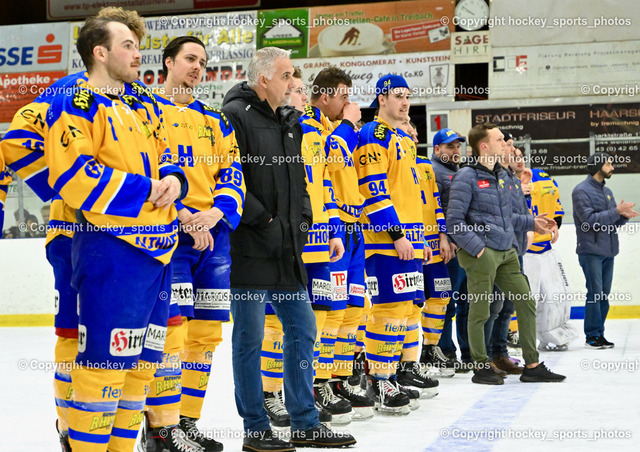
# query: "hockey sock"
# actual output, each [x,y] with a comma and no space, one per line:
[203,336]
[412,335]
[433,316]
[163,400]
[65,353]
[381,337]
[271,357]
[328,343]
[346,341]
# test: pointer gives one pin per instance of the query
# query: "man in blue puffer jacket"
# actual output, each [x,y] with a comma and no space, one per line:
[479,219]
[597,219]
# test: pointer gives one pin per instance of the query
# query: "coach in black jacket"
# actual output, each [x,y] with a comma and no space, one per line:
[266,249]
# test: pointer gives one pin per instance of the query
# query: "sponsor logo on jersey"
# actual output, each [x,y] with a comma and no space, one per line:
[82,338]
[380,132]
[370,157]
[483,184]
[156,335]
[356,290]
[33,118]
[206,132]
[71,135]
[275,364]
[339,285]
[126,341]
[321,287]
[56,302]
[182,293]
[213,299]
[442,284]
[167,384]
[407,282]
[372,286]
[82,99]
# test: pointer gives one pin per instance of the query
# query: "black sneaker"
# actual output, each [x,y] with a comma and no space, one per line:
[414,374]
[265,441]
[540,374]
[188,424]
[321,436]
[277,412]
[64,439]
[485,375]
[595,343]
[606,343]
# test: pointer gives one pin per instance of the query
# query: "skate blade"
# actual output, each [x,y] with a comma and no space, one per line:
[362,413]
[397,411]
[414,404]
[441,373]
[341,419]
[429,393]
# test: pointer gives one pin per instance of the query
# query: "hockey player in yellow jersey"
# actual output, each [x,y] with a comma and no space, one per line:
[394,240]
[108,160]
[437,288]
[334,116]
[543,265]
[203,144]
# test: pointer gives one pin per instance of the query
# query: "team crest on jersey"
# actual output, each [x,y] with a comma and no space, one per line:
[548,191]
[206,132]
[380,132]
[543,174]
[129,100]
[83,99]
[501,183]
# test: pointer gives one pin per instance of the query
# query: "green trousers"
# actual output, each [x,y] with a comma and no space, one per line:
[501,268]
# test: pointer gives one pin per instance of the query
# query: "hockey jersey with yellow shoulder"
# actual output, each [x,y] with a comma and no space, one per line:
[340,141]
[326,220]
[102,152]
[432,213]
[545,198]
[390,182]
[203,143]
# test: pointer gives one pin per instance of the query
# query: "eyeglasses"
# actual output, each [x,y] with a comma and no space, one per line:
[301,90]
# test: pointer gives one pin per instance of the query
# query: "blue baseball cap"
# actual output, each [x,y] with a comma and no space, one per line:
[446,136]
[387,83]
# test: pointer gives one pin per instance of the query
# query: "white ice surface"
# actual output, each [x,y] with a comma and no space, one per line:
[601,397]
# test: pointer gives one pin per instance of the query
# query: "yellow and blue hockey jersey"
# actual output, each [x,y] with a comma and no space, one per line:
[432,213]
[390,182]
[203,144]
[5,180]
[545,198]
[102,152]
[326,220]
[340,141]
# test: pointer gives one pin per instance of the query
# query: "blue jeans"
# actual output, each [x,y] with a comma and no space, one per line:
[598,272]
[458,307]
[299,325]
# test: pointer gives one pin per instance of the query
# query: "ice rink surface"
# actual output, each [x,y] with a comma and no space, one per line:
[596,408]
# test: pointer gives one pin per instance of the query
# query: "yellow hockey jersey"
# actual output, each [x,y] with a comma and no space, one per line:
[102,152]
[203,143]
[326,220]
[340,143]
[432,213]
[389,179]
[545,198]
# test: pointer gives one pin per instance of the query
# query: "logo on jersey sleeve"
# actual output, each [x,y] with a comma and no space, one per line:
[83,99]
[126,341]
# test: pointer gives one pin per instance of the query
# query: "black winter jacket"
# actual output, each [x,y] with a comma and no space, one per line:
[267,254]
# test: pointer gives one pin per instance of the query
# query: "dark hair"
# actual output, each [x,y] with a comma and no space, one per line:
[297,72]
[477,135]
[174,47]
[327,81]
[95,33]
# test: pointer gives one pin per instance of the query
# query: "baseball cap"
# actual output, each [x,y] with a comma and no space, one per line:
[446,136]
[387,83]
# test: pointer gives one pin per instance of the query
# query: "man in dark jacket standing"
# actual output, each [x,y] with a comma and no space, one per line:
[479,219]
[266,249]
[597,219]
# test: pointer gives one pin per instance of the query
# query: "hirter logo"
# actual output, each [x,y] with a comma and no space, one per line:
[407,282]
[126,342]
[399,283]
[484,184]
